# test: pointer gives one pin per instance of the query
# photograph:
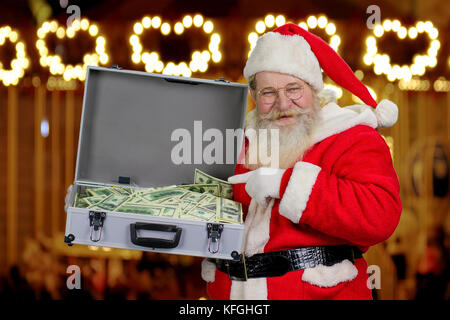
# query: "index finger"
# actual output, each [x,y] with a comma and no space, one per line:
[240,178]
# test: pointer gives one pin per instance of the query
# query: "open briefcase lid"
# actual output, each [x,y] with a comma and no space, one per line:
[154,130]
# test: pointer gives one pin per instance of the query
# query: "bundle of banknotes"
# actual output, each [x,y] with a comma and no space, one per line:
[207,199]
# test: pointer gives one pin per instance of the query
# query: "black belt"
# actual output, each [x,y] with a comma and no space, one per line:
[278,263]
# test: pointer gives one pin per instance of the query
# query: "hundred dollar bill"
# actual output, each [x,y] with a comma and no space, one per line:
[109,203]
[204,198]
[106,191]
[98,192]
[192,196]
[169,212]
[159,194]
[92,200]
[122,190]
[230,211]
[200,214]
[226,188]
[169,201]
[213,189]
[140,208]
[80,203]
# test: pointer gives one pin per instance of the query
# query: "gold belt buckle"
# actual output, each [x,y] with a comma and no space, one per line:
[245,270]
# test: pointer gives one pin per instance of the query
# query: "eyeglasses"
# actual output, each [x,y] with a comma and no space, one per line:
[268,95]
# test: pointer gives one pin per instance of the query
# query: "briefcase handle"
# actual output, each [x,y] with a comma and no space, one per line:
[154,242]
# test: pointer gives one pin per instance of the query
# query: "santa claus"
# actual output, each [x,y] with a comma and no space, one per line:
[331,193]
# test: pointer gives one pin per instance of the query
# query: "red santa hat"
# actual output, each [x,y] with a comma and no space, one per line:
[292,50]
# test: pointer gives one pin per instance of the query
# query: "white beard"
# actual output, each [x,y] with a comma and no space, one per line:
[294,140]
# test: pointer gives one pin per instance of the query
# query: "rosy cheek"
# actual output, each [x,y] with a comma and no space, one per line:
[305,101]
[264,109]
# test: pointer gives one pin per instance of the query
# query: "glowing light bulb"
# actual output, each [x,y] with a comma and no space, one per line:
[156,22]
[312,22]
[208,27]
[260,27]
[269,20]
[165,28]
[187,21]
[280,20]
[198,20]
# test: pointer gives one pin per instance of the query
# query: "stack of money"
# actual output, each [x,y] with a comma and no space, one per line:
[208,199]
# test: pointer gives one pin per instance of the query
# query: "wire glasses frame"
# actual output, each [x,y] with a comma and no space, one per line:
[293,91]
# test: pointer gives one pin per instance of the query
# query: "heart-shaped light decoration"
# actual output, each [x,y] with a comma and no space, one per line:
[54,62]
[381,62]
[199,60]
[21,61]
[311,23]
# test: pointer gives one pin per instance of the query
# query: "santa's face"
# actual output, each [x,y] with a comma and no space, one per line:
[281,98]
[290,119]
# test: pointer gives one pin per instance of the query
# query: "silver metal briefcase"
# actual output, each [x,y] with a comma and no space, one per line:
[127,139]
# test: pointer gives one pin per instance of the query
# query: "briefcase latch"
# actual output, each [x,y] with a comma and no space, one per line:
[96,220]
[214,233]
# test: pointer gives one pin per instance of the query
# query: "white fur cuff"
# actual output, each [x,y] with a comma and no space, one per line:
[298,190]
[208,271]
[326,277]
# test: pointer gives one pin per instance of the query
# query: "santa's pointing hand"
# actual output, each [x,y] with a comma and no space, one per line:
[261,184]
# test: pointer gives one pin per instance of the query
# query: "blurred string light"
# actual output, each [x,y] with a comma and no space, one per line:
[322,22]
[19,64]
[270,22]
[54,62]
[58,83]
[441,85]
[414,84]
[199,59]
[381,62]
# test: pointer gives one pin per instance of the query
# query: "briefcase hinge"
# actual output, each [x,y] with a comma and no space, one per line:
[214,233]
[96,220]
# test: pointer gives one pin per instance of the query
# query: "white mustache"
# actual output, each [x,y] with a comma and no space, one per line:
[275,114]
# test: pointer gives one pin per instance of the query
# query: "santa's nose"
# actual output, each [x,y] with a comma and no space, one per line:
[283,103]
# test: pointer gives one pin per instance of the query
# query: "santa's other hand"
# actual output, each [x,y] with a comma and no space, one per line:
[67,198]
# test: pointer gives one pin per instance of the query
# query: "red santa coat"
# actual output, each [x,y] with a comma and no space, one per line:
[343,191]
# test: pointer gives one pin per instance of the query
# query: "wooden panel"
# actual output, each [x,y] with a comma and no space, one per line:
[56,203]
[12,179]
[3,177]
[39,157]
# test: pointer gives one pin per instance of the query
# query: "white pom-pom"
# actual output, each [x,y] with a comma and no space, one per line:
[208,271]
[386,113]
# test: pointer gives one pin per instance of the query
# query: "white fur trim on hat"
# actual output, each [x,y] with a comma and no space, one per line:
[290,54]
[208,271]
[324,276]
[386,113]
